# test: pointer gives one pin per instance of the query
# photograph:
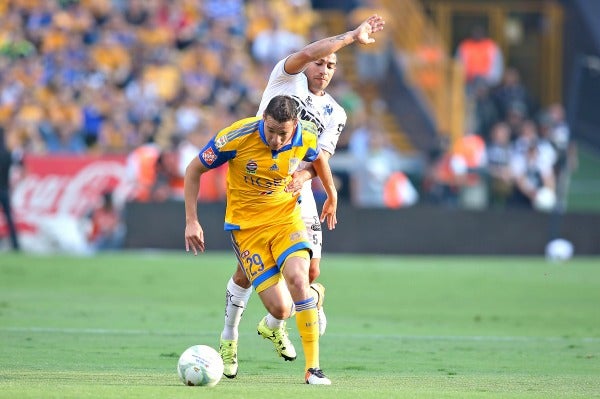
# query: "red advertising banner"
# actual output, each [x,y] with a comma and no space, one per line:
[64,188]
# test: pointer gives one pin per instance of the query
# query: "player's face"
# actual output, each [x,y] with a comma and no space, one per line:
[279,134]
[319,74]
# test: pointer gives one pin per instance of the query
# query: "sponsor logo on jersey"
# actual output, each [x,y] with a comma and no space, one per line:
[209,156]
[220,142]
[294,162]
[315,227]
[266,192]
[262,182]
[274,167]
[251,167]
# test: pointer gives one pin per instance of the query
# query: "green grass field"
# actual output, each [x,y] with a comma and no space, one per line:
[113,326]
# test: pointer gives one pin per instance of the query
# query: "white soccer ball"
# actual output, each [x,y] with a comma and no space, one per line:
[559,250]
[544,200]
[200,365]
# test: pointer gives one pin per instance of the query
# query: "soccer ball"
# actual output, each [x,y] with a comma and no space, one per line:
[200,365]
[559,250]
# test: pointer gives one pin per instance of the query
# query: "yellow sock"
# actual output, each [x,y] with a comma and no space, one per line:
[308,327]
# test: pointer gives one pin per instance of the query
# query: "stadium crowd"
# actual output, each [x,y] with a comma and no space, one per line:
[114,76]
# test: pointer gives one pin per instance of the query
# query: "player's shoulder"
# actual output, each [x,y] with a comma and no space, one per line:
[309,128]
[237,131]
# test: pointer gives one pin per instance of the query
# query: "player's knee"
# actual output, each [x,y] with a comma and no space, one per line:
[239,277]
[297,283]
[281,310]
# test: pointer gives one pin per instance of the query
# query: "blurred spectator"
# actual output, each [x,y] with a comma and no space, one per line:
[529,136]
[378,161]
[8,158]
[298,16]
[455,175]
[275,43]
[142,169]
[485,113]
[557,131]
[499,153]
[481,58]
[530,176]
[511,94]
[107,228]
[372,61]
[428,62]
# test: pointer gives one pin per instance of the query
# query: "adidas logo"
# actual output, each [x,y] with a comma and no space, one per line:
[274,167]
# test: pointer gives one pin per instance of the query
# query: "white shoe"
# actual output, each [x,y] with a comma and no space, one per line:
[316,377]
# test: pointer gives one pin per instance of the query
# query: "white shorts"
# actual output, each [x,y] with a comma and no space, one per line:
[310,216]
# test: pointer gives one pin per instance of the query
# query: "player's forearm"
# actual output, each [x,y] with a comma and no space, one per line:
[324,47]
[323,170]
[191,188]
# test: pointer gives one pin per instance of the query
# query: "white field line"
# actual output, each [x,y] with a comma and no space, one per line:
[457,338]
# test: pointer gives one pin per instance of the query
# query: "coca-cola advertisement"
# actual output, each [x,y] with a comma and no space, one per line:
[55,194]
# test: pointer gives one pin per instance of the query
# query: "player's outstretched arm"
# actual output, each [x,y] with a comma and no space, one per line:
[362,34]
[323,170]
[194,235]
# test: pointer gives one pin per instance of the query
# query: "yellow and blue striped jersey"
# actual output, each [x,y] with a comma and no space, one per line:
[257,175]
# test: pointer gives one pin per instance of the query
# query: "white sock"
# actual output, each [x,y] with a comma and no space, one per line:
[273,323]
[236,299]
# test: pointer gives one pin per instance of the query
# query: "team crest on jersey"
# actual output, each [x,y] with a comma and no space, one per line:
[309,101]
[295,236]
[293,165]
[221,141]
[251,167]
[328,109]
[209,156]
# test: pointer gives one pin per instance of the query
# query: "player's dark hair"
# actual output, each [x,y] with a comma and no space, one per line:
[282,109]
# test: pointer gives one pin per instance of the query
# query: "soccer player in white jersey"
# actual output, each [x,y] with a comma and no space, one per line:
[304,76]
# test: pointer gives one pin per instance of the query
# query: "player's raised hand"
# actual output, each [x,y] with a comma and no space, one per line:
[194,237]
[373,24]
[329,213]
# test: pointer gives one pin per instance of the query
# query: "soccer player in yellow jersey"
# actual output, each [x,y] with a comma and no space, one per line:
[267,232]
[305,76]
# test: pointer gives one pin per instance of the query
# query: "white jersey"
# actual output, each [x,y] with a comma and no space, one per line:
[323,111]
[330,119]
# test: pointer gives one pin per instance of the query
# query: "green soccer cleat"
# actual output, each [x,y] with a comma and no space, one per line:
[280,339]
[320,298]
[228,352]
[316,377]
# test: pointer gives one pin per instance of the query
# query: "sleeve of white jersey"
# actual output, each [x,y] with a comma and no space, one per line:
[331,134]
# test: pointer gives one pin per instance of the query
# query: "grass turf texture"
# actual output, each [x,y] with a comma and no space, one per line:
[113,326]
